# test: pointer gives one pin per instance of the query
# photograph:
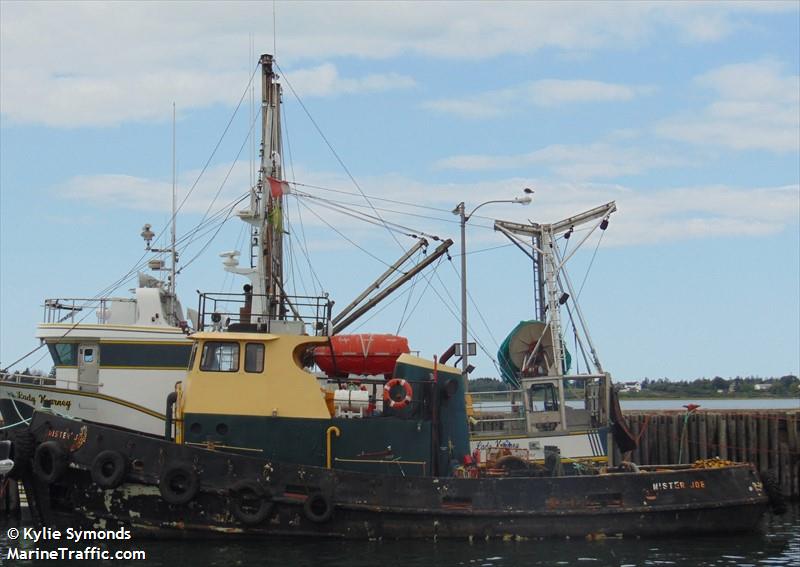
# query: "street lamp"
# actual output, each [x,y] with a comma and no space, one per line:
[460,211]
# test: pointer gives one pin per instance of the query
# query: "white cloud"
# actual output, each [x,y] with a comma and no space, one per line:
[644,217]
[90,63]
[553,92]
[543,93]
[324,80]
[119,191]
[598,160]
[465,108]
[757,107]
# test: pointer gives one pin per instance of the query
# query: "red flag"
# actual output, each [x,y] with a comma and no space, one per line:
[278,187]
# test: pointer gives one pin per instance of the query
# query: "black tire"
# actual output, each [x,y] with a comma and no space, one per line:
[250,504]
[23,446]
[109,469]
[318,508]
[179,483]
[50,462]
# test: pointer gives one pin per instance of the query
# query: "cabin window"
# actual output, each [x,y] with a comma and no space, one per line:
[64,354]
[192,356]
[145,355]
[88,355]
[543,397]
[254,357]
[220,357]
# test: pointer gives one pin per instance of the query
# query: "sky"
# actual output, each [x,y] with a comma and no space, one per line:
[687,115]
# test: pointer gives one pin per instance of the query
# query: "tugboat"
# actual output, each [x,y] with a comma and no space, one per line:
[255,444]
[254,447]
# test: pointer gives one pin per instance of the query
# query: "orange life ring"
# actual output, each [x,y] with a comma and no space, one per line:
[397,403]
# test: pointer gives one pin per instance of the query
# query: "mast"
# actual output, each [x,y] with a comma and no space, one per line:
[270,243]
[265,212]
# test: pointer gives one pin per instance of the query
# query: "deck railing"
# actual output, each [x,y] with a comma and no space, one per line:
[72,309]
[221,310]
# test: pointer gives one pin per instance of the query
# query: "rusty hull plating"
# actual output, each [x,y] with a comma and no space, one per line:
[299,500]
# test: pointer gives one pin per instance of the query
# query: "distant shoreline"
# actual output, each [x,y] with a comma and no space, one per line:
[704,396]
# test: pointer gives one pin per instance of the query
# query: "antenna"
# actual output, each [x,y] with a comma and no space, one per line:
[174,215]
[148,235]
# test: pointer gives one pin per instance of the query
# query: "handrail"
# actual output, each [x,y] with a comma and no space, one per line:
[479,420]
[44,380]
[60,309]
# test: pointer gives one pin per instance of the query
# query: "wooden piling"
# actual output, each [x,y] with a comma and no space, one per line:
[702,439]
[763,442]
[644,440]
[722,437]
[741,438]
[769,440]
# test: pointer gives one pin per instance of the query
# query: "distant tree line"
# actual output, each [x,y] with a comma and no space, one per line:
[787,386]
[784,387]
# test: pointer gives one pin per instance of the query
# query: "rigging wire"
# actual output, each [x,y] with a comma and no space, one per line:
[454,312]
[337,231]
[428,282]
[594,254]
[227,210]
[489,249]
[303,240]
[429,217]
[333,151]
[239,242]
[139,264]
[413,286]
[480,315]
[413,233]
[219,142]
[231,168]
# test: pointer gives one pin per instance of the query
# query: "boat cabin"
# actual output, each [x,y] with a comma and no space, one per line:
[251,393]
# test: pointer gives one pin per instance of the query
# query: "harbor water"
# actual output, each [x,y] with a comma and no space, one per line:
[777,543]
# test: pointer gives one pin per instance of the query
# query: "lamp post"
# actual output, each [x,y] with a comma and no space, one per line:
[461,212]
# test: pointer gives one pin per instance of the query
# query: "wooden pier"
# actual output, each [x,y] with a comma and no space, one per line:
[768,439]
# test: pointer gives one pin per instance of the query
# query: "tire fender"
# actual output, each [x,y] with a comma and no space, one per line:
[109,468]
[179,483]
[50,461]
[318,507]
[250,503]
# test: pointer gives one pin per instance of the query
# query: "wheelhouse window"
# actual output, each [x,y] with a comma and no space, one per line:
[543,397]
[254,357]
[220,357]
[192,356]
[64,354]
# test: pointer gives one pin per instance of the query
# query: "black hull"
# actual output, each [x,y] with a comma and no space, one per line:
[367,506]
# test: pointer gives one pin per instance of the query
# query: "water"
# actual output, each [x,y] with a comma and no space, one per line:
[777,544]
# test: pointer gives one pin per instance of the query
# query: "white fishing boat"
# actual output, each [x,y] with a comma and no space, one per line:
[573,417]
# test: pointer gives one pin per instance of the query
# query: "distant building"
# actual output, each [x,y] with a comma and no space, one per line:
[762,387]
[630,387]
